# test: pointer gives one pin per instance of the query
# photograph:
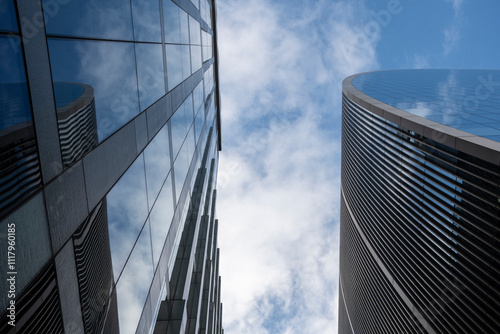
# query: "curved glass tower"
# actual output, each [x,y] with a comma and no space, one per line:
[420,203]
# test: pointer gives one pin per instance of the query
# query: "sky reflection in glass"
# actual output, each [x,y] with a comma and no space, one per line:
[161,218]
[109,68]
[127,212]
[468,100]
[150,73]
[93,18]
[133,286]
[171,19]
[146,17]
[157,159]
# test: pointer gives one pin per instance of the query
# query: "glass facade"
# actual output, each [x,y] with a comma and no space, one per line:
[110,134]
[467,100]
[420,223]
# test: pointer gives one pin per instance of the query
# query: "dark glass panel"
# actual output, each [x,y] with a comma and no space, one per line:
[8,19]
[20,171]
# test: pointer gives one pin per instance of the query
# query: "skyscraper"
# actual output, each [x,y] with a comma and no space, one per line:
[109,141]
[420,214]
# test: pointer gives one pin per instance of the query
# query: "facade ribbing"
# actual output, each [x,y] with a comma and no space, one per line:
[420,218]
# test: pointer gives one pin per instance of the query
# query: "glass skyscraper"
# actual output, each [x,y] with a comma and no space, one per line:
[109,139]
[420,203]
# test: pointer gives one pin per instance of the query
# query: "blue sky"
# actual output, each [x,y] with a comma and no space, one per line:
[282,64]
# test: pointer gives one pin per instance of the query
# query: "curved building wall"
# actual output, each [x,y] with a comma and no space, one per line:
[419,228]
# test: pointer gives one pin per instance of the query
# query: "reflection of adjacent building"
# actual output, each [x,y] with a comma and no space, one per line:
[420,221]
[76,119]
[19,167]
[95,273]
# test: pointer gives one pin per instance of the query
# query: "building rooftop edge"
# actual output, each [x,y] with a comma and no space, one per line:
[477,146]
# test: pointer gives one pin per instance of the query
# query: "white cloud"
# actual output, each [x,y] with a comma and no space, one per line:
[279,176]
[457,5]
[420,61]
[452,33]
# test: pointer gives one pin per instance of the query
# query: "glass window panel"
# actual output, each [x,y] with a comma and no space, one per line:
[133,286]
[199,121]
[184,26]
[178,128]
[14,97]
[198,96]
[157,160]
[146,17]
[196,3]
[196,57]
[127,211]
[194,31]
[186,61]
[181,168]
[171,19]
[21,172]
[76,119]
[93,18]
[8,19]
[190,144]
[107,67]
[174,65]
[150,73]
[161,218]
[188,110]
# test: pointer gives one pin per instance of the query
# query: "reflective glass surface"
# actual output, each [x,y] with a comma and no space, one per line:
[194,31]
[110,19]
[150,73]
[127,212]
[14,99]
[161,217]
[196,57]
[146,17]
[174,65]
[180,122]
[181,168]
[133,286]
[19,172]
[8,21]
[107,67]
[171,19]
[157,159]
[468,100]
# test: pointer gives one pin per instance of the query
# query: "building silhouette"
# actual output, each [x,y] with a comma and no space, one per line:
[109,138]
[420,216]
